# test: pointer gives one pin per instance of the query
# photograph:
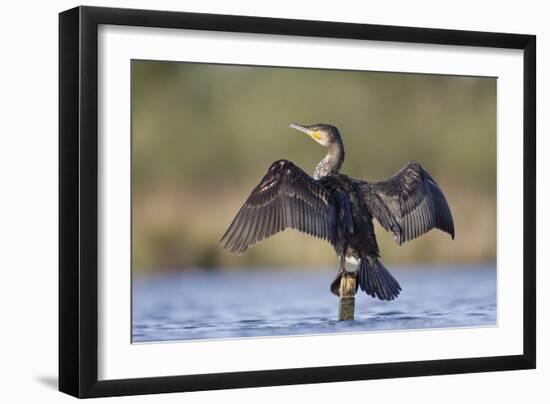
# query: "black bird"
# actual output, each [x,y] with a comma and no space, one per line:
[340,209]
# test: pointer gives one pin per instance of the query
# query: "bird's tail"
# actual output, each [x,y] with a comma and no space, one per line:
[376,281]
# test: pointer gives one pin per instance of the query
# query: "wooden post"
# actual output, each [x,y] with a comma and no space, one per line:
[346,309]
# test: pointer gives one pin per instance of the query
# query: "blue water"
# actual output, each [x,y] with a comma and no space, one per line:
[199,305]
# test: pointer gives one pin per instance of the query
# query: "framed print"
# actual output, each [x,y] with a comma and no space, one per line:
[251,201]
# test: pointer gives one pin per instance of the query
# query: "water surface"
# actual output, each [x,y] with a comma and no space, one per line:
[197,305]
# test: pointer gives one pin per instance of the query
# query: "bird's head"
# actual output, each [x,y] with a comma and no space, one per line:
[325,135]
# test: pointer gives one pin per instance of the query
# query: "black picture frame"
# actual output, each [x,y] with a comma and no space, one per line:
[78,201]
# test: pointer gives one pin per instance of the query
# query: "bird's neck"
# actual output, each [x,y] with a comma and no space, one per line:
[332,162]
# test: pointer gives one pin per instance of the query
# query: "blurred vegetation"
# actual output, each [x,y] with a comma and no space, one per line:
[204,135]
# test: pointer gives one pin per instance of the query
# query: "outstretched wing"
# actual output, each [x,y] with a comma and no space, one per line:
[286,197]
[408,204]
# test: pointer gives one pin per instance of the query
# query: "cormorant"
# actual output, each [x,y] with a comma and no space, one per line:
[340,209]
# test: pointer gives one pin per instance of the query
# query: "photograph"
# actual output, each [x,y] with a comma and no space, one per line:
[299,199]
[273,201]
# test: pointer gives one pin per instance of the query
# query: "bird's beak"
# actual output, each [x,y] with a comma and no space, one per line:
[314,134]
[301,128]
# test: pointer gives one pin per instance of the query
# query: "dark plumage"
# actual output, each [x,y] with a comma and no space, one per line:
[340,209]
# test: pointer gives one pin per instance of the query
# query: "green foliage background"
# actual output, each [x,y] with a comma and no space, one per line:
[204,135]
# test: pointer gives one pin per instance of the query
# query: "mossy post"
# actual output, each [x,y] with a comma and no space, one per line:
[346,308]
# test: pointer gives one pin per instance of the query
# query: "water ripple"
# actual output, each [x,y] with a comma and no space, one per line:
[169,308]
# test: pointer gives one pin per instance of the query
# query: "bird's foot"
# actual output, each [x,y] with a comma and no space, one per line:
[335,285]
